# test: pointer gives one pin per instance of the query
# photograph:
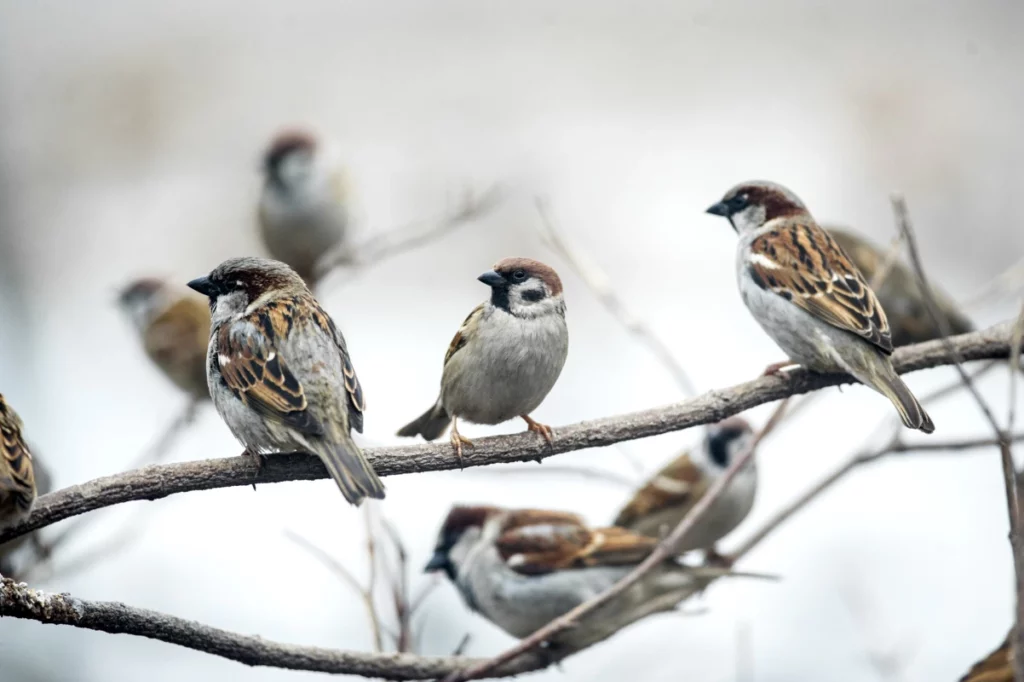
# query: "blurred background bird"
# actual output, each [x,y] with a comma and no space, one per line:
[173,324]
[657,507]
[899,293]
[302,208]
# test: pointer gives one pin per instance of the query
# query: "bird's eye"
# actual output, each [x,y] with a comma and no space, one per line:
[519,275]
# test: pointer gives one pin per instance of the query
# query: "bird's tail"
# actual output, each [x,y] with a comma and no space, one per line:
[885,380]
[431,424]
[347,465]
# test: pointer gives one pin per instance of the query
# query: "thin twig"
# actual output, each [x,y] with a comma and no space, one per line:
[665,549]
[399,240]
[1009,281]
[371,586]
[1005,454]
[600,285]
[339,570]
[162,447]
[892,257]
[159,481]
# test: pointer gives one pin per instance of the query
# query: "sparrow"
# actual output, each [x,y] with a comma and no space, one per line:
[279,371]
[302,208]
[17,476]
[657,507]
[505,358]
[174,325]
[996,667]
[809,297]
[521,569]
[899,293]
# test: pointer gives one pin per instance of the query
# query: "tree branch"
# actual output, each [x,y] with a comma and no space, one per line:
[19,601]
[159,481]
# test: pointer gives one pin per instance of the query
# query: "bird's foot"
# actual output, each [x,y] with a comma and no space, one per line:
[543,429]
[458,440]
[775,369]
[256,457]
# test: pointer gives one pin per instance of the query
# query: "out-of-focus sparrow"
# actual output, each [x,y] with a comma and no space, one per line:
[506,356]
[174,325]
[662,502]
[996,667]
[899,293]
[807,295]
[279,371]
[17,476]
[302,210]
[521,569]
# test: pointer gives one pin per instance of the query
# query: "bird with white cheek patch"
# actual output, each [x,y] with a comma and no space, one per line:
[809,297]
[522,568]
[279,372]
[505,358]
[658,507]
[302,209]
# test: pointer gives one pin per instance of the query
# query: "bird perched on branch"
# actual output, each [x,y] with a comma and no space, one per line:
[279,371]
[521,569]
[809,297]
[657,507]
[302,209]
[17,475]
[996,667]
[505,358]
[899,293]
[13,557]
[174,326]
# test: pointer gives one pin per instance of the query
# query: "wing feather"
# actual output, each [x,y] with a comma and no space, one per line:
[802,263]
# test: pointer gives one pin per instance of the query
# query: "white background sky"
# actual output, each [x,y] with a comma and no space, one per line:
[129,141]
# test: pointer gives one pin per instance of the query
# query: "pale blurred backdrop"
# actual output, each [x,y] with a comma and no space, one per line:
[130,136]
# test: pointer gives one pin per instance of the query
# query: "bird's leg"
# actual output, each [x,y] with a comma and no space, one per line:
[543,429]
[458,440]
[256,457]
[775,369]
[713,558]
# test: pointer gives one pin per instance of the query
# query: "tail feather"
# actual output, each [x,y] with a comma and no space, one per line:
[431,424]
[347,465]
[889,384]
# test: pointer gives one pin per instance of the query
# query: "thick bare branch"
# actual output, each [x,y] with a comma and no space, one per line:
[19,601]
[159,481]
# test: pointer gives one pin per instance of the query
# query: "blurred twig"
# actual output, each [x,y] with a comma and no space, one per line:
[1006,456]
[600,285]
[399,240]
[1010,281]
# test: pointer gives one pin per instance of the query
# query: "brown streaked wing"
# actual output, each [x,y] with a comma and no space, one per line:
[465,332]
[16,473]
[252,369]
[353,389]
[678,484]
[996,667]
[800,262]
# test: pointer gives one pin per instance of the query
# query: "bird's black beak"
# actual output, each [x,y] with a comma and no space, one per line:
[438,562]
[202,285]
[492,279]
[721,208]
